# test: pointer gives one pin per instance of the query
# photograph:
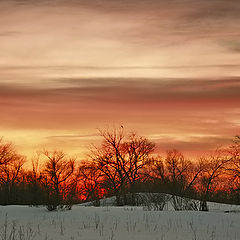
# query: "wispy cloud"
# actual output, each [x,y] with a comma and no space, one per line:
[74,137]
[119,99]
[145,89]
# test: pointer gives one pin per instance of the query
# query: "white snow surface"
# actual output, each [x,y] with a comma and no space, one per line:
[119,223]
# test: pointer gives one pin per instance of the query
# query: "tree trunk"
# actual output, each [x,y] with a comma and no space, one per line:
[203,206]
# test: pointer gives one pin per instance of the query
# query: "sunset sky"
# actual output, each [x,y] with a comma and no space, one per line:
[169,70]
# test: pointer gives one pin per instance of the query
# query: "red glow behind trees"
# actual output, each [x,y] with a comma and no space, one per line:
[121,166]
[121,160]
[59,170]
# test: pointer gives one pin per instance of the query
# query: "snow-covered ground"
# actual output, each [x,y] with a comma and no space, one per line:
[119,223]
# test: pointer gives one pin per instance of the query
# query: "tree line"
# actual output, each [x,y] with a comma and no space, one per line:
[123,165]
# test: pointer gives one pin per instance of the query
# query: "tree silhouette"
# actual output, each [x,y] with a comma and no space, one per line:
[120,159]
[58,169]
[10,167]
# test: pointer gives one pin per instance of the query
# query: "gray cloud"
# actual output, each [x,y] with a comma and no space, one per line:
[233,45]
[127,89]
[155,89]
[8,33]
[73,137]
[200,144]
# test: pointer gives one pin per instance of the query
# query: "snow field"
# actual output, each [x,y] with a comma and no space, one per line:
[116,223]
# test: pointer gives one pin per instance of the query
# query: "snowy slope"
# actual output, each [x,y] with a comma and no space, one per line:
[212,206]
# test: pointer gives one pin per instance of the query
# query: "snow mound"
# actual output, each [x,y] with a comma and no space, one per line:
[167,202]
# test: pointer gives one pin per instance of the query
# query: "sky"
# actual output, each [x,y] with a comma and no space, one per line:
[169,70]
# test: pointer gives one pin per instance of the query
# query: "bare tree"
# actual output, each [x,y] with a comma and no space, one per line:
[177,169]
[235,157]
[10,167]
[176,175]
[136,151]
[233,168]
[58,169]
[214,168]
[7,152]
[90,178]
[121,159]
[182,174]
